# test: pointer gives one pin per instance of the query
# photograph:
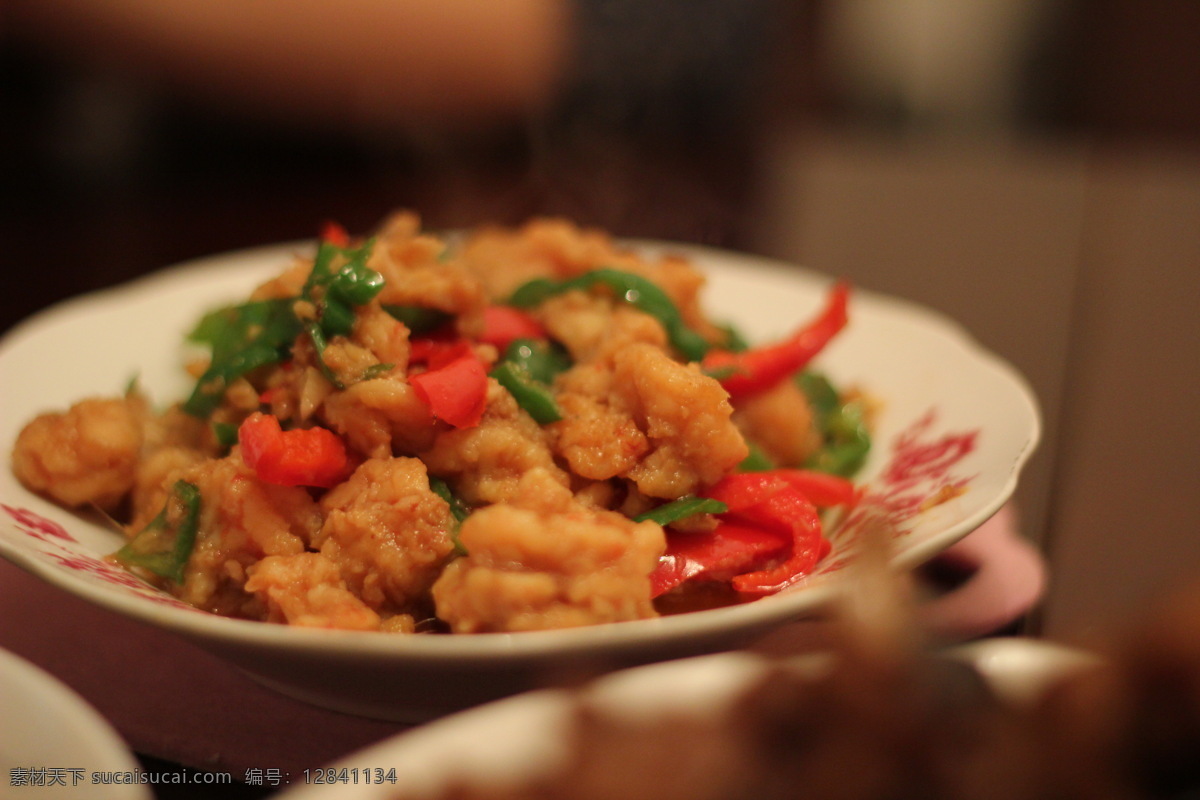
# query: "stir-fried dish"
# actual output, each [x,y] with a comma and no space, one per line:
[515,429]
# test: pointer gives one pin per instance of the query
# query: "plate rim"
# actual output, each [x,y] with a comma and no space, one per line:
[80,721]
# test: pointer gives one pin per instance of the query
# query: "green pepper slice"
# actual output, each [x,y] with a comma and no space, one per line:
[532,395]
[242,338]
[458,509]
[641,293]
[682,508]
[255,334]
[843,427]
[543,360]
[527,371]
[335,292]
[164,546]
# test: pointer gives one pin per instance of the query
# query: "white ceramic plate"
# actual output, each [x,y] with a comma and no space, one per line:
[53,744]
[955,422]
[508,742]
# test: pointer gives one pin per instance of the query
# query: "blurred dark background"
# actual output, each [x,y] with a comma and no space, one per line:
[1028,166]
[108,173]
[126,172]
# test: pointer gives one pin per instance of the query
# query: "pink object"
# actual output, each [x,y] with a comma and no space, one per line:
[1007,576]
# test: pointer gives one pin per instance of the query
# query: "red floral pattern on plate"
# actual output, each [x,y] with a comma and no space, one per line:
[36,525]
[53,543]
[921,473]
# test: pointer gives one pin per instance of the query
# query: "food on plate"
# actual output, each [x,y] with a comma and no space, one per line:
[515,429]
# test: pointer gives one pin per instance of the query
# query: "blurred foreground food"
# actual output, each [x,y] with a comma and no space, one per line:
[885,723]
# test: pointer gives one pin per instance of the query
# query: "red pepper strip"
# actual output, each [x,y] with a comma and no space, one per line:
[334,233]
[301,457]
[822,488]
[776,500]
[792,510]
[761,368]
[727,550]
[742,490]
[456,391]
[504,324]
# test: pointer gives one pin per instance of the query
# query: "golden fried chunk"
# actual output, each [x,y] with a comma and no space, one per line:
[384,335]
[156,474]
[594,327]
[348,361]
[504,258]
[387,532]
[687,417]
[598,436]
[548,563]
[662,424]
[296,391]
[378,344]
[242,520]
[174,427]
[307,589]
[86,455]
[415,274]
[485,463]
[780,421]
[380,416]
